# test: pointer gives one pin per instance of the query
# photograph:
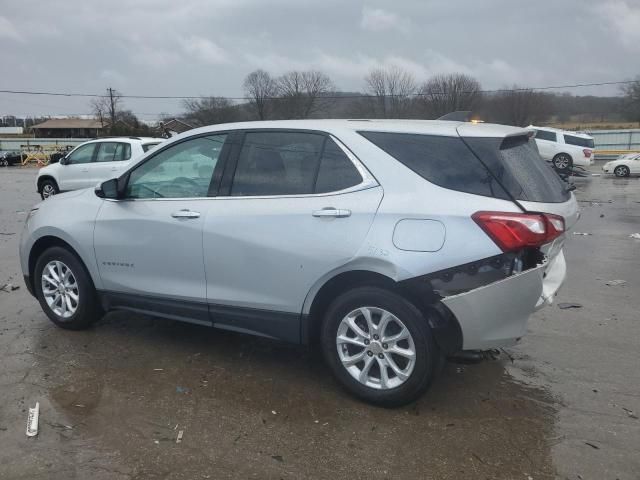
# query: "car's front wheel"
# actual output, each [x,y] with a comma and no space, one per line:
[562,162]
[48,188]
[622,171]
[379,346]
[65,290]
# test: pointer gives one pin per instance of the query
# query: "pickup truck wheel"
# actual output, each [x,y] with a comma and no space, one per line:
[65,290]
[379,346]
[48,188]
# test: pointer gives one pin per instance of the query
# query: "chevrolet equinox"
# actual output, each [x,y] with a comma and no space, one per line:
[392,244]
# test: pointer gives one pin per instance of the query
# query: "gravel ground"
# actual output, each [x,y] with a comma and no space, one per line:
[562,404]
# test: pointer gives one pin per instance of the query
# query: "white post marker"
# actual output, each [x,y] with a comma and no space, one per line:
[32,420]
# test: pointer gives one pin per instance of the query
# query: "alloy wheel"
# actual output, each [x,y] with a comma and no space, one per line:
[60,289]
[561,162]
[376,348]
[48,191]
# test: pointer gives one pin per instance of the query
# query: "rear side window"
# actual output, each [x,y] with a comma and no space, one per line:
[445,161]
[336,171]
[546,135]
[579,141]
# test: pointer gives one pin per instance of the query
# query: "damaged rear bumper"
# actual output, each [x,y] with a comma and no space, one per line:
[495,315]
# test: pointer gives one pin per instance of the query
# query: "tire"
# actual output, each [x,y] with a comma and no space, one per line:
[48,188]
[379,302]
[562,162]
[64,314]
[4,162]
[621,171]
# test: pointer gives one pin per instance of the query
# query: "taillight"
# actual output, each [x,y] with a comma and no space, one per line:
[587,152]
[514,231]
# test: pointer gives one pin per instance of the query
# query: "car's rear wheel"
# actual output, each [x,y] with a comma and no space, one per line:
[621,171]
[65,290]
[562,162]
[48,188]
[379,346]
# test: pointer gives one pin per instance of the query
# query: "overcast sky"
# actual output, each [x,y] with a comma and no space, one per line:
[206,47]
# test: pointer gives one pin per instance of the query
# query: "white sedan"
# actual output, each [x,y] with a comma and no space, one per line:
[624,165]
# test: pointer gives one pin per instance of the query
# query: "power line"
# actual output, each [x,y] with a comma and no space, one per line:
[188,97]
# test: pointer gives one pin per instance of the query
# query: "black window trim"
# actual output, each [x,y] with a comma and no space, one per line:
[216,178]
[368,180]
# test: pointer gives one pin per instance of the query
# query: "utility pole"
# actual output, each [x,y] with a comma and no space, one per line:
[112,109]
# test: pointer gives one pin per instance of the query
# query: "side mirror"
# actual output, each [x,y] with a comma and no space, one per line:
[63,160]
[108,189]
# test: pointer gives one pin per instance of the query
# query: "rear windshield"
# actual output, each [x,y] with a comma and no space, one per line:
[579,141]
[482,166]
[516,163]
[148,146]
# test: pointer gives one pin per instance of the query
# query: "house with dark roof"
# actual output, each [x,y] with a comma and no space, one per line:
[68,128]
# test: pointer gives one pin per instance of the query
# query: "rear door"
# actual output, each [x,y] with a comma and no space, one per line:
[294,205]
[110,160]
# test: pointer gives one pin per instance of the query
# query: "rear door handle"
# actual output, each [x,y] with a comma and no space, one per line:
[184,213]
[332,212]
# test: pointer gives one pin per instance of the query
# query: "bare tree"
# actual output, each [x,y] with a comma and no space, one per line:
[631,105]
[518,106]
[259,87]
[302,93]
[107,107]
[392,89]
[210,110]
[452,92]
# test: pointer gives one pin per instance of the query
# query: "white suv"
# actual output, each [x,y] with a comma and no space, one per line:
[564,149]
[91,162]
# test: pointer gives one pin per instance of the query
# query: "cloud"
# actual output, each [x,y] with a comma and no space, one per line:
[204,50]
[379,20]
[623,20]
[7,30]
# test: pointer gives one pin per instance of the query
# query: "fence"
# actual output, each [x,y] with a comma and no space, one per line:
[15,144]
[616,139]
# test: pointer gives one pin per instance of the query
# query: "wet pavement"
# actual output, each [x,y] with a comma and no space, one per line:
[562,404]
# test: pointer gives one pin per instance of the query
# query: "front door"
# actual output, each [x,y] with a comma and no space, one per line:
[296,208]
[74,171]
[149,244]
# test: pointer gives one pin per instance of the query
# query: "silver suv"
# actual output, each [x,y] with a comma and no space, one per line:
[392,244]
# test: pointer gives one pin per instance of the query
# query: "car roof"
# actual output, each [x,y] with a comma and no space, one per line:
[559,130]
[428,127]
[127,139]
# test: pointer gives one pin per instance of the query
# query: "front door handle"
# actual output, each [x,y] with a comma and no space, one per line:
[332,212]
[184,213]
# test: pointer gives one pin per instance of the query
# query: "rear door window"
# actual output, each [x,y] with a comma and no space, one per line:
[579,141]
[277,163]
[546,135]
[445,161]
